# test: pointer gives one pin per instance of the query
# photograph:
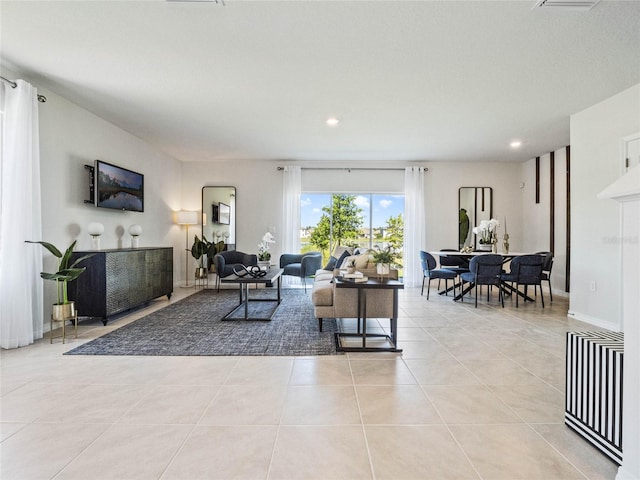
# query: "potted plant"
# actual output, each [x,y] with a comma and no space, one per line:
[264,255]
[384,258]
[198,250]
[487,231]
[351,265]
[64,309]
[211,252]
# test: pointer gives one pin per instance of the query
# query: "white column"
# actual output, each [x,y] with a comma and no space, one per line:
[627,191]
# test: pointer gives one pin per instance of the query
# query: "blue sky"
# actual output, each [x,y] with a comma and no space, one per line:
[384,206]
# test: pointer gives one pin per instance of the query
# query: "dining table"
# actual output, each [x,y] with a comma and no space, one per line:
[506,257]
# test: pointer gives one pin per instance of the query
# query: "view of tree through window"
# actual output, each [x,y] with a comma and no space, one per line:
[354,220]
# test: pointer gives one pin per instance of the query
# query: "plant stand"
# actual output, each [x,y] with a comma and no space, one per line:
[74,319]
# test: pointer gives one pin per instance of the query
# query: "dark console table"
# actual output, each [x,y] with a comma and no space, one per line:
[120,279]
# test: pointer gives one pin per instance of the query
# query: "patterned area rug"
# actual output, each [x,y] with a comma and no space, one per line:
[193,326]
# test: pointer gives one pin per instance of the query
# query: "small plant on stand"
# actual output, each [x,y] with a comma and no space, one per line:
[65,308]
[198,251]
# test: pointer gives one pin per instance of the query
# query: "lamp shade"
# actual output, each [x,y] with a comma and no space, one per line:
[135,230]
[95,229]
[185,217]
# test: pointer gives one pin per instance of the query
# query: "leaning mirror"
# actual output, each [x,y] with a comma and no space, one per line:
[474,205]
[219,215]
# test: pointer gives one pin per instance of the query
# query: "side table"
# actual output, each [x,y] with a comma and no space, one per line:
[363,288]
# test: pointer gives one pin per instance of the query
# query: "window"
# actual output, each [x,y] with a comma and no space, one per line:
[356,220]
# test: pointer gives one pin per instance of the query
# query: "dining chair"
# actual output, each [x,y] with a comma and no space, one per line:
[484,270]
[525,270]
[454,263]
[546,270]
[429,271]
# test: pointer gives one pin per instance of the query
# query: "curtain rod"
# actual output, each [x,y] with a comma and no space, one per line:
[41,98]
[352,168]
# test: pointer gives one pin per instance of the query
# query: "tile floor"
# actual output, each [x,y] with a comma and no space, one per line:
[476,394]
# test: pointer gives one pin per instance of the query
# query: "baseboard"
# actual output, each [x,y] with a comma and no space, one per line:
[626,475]
[598,322]
[560,293]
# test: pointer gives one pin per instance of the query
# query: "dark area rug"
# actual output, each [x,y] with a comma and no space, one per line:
[193,326]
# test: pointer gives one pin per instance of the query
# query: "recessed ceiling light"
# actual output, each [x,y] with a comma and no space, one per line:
[515,144]
[332,121]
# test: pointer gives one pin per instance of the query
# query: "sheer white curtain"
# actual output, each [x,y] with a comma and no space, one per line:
[21,297]
[291,209]
[414,225]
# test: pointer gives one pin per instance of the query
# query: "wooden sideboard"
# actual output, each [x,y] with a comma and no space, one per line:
[121,279]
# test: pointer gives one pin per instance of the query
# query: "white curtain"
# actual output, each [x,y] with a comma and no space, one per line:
[291,209]
[414,225]
[21,290]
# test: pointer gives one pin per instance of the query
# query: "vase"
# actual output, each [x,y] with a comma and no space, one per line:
[383,268]
[264,264]
[484,247]
[494,247]
[63,311]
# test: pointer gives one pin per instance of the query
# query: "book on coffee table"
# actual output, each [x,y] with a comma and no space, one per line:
[353,275]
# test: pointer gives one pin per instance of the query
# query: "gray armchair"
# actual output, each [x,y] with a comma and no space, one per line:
[225,261]
[301,265]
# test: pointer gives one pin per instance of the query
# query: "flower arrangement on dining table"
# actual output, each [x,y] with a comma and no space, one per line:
[263,247]
[487,231]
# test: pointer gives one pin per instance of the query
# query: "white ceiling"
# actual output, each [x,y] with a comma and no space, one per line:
[419,80]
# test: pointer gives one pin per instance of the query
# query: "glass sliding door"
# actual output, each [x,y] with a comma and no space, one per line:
[354,220]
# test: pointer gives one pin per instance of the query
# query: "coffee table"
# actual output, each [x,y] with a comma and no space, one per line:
[273,274]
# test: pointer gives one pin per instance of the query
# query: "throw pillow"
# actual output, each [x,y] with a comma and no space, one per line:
[341,258]
[338,251]
[362,261]
[331,264]
[345,262]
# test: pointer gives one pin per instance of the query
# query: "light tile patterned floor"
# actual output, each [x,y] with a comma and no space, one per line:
[476,394]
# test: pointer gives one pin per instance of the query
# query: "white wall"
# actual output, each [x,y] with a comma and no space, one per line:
[259,195]
[71,137]
[596,144]
[442,183]
[536,216]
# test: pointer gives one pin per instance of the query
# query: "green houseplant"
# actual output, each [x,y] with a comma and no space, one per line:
[200,249]
[66,273]
[385,258]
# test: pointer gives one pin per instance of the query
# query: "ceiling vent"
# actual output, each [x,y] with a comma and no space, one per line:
[566,4]
[220,2]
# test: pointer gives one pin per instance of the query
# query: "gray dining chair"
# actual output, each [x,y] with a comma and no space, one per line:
[546,271]
[525,270]
[484,270]
[429,271]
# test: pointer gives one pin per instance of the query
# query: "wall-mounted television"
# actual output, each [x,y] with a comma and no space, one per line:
[118,188]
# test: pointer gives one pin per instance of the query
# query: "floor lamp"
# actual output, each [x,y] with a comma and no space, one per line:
[184,217]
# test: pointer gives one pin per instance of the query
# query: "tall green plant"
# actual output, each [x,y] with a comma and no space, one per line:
[66,272]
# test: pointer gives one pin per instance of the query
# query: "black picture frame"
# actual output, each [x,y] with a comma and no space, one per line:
[215,213]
